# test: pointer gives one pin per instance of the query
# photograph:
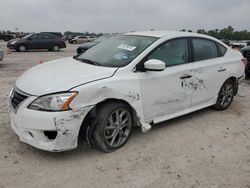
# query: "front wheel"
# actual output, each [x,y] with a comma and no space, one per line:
[225,96]
[22,48]
[113,126]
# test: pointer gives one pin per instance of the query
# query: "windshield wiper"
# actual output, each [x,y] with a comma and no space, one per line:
[88,61]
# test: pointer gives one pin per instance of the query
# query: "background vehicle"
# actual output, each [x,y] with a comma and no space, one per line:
[37,41]
[81,39]
[58,34]
[225,41]
[1,54]
[246,54]
[85,46]
[6,37]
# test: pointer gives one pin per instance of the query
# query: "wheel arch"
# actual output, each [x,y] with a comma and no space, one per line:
[235,81]
[86,130]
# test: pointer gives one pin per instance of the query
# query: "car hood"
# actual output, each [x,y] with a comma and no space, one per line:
[60,75]
[12,40]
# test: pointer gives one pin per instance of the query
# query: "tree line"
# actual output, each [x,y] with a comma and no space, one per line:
[227,33]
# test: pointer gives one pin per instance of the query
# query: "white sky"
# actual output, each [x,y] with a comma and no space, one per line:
[123,15]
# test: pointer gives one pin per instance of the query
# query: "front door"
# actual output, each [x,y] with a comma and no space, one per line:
[167,92]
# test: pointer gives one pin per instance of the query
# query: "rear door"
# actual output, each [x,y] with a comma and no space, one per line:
[48,41]
[33,42]
[210,70]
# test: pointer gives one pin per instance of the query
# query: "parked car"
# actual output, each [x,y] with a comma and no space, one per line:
[1,54]
[37,41]
[85,46]
[6,37]
[58,34]
[81,39]
[246,53]
[226,41]
[134,79]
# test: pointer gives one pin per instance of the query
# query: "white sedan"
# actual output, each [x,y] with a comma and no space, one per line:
[134,79]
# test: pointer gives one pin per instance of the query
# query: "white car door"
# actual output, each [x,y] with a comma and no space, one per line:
[209,71]
[166,92]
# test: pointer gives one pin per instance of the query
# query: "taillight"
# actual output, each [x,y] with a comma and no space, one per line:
[244,60]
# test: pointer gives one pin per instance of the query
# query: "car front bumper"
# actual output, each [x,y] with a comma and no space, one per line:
[11,46]
[31,126]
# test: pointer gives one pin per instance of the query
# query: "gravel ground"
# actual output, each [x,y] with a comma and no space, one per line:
[203,149]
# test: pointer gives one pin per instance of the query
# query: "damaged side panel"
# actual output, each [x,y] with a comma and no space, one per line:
[113,88]
[68,128]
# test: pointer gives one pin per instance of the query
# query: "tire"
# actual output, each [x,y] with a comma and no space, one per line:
[22,48]
[225,96]
[247,70]
[113,126]
[56,48]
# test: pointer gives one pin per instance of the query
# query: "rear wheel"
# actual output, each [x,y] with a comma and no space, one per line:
[22,48]
[55,48]
[225,96]
[113,126]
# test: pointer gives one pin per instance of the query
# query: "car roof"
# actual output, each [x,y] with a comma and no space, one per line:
[161,34]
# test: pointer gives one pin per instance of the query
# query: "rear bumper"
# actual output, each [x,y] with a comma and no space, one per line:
[63,45]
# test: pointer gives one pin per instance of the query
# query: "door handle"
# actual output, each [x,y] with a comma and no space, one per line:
[186,76]
[221,69]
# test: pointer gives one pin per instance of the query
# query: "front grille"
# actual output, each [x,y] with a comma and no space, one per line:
[17,98]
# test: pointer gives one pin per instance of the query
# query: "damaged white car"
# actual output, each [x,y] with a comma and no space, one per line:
[135,79]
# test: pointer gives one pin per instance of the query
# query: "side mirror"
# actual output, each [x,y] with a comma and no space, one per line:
[154,65]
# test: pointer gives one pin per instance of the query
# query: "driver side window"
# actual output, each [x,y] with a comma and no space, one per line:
[174,52]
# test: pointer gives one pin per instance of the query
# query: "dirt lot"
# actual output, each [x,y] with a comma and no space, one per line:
[202,149]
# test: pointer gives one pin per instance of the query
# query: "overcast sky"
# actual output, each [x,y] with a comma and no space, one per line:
[122,15]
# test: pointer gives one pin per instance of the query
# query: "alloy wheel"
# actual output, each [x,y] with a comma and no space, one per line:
[117,127]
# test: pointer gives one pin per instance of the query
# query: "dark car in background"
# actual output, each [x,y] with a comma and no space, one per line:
[58,34]
[37,41]
[7,37]
[246,54]
[85,46]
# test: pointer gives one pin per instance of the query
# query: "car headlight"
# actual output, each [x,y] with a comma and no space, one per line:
[14,42]
[53,102]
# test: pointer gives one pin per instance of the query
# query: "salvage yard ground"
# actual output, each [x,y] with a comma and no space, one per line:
[203,149]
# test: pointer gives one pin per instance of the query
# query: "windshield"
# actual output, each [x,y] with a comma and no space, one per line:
[117,51]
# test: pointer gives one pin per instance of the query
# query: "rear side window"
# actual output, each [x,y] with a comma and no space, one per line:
[204,49]
[222,50]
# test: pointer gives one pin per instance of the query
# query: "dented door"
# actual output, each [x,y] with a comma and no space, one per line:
[209,71]
[167,92]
